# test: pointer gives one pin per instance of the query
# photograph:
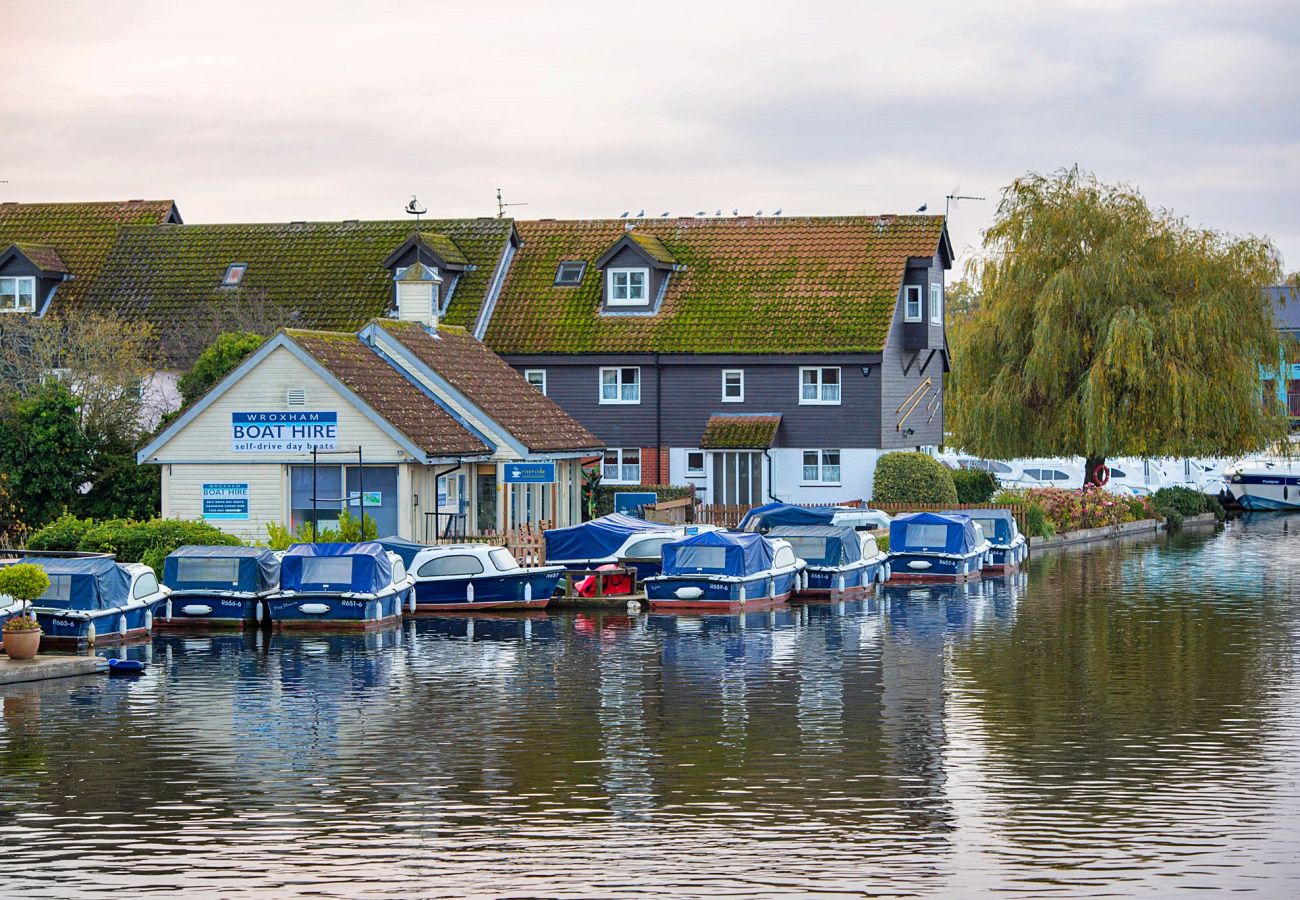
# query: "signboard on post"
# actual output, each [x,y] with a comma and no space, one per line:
[284,432]
[225,500]
[627,502]
[530,473]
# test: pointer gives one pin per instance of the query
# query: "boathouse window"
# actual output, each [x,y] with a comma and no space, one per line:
[694,463]
[820,385]
[450,565]
[145,585]
[234,275]
[628,287]
[821,467]
[379,482]
[912,303]
[537,378]
[620,385]
[733,385]
[621,465]
[18,294]
[570,272]
[936,304]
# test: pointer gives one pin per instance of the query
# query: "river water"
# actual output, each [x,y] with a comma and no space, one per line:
[1111,721]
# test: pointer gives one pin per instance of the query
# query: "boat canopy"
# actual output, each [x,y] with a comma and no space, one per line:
[402,547]
[999,524]
[597,539]
[247,569]
[822,545]
[773,515]
[933,532]
[718,553]
[362,568]
[85,583]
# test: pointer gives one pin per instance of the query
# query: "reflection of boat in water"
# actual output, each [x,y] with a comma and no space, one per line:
[724,571]
[489,627]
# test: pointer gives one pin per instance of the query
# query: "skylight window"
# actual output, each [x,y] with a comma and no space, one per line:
[570,272]
[234,275]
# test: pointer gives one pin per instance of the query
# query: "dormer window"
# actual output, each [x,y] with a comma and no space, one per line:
[234,275]
[629,287]
[570,272]
[18,294]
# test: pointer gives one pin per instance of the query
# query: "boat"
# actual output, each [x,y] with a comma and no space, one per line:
[1265,484]
[616,539]
[407,550]
[774,515]
[930,546]
[1008,548]
[96,600]
[724,571]
[479,576]
[344,586]
[840,563]
[216,586]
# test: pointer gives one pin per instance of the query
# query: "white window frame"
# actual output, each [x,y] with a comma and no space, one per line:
[821,466]
[936,303]
[912,293]
[620,385]
[622,466]
[19,281]
[740,373]
[610,292]
[702,471]
[529,374]
[821,386]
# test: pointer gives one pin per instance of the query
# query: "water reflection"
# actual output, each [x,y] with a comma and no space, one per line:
[1124,713]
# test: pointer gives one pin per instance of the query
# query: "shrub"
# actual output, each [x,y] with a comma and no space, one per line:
[604,494]
[974,485]
[882,540]
[912,477]
[350,531]
[214,363]
[12,526]
[148,542]
[1177,503]
[1036,522]
[24,582]
[64,533]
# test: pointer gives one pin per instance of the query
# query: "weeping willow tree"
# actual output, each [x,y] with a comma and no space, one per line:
[1107,329]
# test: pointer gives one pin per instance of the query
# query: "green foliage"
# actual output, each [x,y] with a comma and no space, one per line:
[604,494]
[911,477]
[23,582]
[43,450]
[349,531]
[147,541]
[882,540]
[121,488]
[1036,522]
[1177,503]
[974,485]
[214,363]
[590,484]
[1106,329]
[64,533]
[12,526]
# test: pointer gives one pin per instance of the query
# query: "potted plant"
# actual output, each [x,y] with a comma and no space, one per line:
[23,582]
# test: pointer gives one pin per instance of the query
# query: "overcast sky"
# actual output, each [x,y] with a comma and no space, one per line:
[279,110]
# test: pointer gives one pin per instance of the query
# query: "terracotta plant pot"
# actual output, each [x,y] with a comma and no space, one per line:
[22,644]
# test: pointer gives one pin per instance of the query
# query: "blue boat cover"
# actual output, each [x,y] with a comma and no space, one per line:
[718,553]
[932,532]
[822,545]
[95,583]
[596,539]
[999,524]
[772,515]
[402,547]
[197,567]
[362,568]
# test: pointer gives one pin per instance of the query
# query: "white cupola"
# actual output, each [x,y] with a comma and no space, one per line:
[417,294]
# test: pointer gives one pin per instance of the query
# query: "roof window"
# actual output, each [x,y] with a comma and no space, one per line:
[234,275]
[570,272]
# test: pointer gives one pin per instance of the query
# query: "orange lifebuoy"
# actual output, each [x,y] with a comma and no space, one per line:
[1100,475]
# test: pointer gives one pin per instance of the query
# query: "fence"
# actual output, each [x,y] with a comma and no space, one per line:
[525,543]
[1017,510]
[728,515]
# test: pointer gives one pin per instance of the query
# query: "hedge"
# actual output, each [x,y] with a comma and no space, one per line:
[912,477]
[148,542]
[974,485]
[1177,503]
[605,494]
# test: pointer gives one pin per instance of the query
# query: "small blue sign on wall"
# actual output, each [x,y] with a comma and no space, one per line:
[627,502]
[530,473]
[225,501]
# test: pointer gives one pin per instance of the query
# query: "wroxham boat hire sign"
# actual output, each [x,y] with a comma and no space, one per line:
[284,432]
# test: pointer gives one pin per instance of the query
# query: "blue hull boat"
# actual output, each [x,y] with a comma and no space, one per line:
[936,547]
[840,563]
[218,587]
[468,577]
[722,571]
[615,539]
[340,586]
[96,600]
[1008,548]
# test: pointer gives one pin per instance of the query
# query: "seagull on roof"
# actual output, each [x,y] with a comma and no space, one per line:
[736,211]
[759,213]
[777,213]
[664,214]
[626,213]
[717,212]
[923,207]
[641,214]
[701,212]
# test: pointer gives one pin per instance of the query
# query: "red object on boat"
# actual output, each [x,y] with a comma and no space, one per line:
[619,584]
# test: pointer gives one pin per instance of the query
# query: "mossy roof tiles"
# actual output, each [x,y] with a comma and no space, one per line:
[43,256]
[740,432]
[750,285]
[494,387]
[445,247]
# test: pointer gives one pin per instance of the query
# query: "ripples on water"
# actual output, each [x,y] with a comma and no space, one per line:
[1111,721]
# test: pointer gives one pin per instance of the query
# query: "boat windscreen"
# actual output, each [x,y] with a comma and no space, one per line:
[503,560]
[650,548]
[927,535]
[702,559]
[990,526]
[59,592]
[811,549]
[327,570]
[207,569]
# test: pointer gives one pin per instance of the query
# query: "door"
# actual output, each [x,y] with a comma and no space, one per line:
[738,478]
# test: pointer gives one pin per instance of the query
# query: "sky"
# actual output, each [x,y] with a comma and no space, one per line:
[287,110]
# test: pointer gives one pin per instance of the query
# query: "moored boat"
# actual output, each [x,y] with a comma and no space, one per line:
[96,600]
[1008,548]
[1265,484]
[724,571]
[840,563]
[935,547]
[776,515]
[343,586]
[216,586]
[615,539]
[479,577]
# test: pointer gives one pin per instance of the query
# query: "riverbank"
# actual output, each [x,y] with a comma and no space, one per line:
[16,671]
[1088,535]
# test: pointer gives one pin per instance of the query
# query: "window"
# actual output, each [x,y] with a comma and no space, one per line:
[912,305]
[570,272]
[537,378]
[295,397]
[234,275]
[620,385]
[503,560]
[327,570]
[629,287]
[146,585]
[650,548]
[821,467]
[450,565]
[926,536]
[936,304]
[819,386]
[733,385]
[702,559]
[198,569]
[621,465]
[399,570]
[333,483]
[694,463]
[18,294]
[60,589]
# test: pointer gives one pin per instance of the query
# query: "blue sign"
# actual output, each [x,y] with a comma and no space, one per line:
[628,501]
[530,473]
[283,432]
[225,501]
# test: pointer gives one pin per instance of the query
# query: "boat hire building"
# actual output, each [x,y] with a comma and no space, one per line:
[752,357]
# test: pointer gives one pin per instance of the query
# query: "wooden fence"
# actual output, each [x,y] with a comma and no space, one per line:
[525,543]
[728,515]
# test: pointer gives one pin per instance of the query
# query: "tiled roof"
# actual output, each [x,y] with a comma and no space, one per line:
[44,256]
[767,285]
[444,246]
[751,431]
[331,273]
[652,245]
[389,393]
[81,233]
[494,387]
